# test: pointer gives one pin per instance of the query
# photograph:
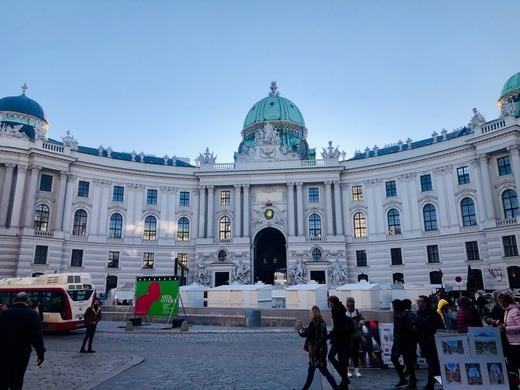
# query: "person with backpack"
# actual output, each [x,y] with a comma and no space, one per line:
[358,320]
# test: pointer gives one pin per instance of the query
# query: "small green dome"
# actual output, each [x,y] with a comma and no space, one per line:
[511,93]
[511,86]
[274,108]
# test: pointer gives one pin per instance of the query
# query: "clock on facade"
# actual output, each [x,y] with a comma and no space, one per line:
[269,213]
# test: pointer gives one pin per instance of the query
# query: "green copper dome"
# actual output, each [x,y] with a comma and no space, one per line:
[511,86]
[274,108]
[511,93]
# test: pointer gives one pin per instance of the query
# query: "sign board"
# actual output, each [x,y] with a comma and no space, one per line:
[156,296]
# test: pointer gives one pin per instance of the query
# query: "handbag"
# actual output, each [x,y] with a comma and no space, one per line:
[306,345]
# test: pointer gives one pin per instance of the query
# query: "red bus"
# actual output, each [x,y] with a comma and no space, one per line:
[63,297]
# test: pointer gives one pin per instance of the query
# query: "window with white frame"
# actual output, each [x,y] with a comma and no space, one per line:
[41,218]
[148,260]
[360,225]
[79,227]
[150,228]
[76,258]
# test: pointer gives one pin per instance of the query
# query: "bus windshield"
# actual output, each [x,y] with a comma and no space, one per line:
[80,295]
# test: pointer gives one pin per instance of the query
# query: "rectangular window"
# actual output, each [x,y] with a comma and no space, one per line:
[472,250]
[510,247]
[463,175]
[46,182]
[391,189]
[148,260]
[433,253]
[426,183]
[118,194]
[357,193]
[76,260]
[397,257]
[40,254]
[504,166]
[184,198]
[183,258]
[314,195]
[361,258]
[113,260]
[151,197]
[225,198]
[83,187]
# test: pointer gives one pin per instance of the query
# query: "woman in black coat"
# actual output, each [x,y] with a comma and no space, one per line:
[316,345]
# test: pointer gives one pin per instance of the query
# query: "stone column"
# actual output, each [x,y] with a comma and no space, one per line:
[96,202]
[347,217]
[238,216]
[246,210]
[486,181]
[31,196]
[69,195]
[202,211]
[130,227]
[102,208]
[476,175]
[172,209]
[6,193]
[18,196]
[60,204]
[337,209]
[328,207]
[290,208]
[514,151]
[299,209]
[211,193]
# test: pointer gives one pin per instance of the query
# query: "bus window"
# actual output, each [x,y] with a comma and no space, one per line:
[80,295]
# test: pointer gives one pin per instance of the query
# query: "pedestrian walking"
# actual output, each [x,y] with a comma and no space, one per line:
[316,345]
[427,323]
[444,310]
[20,331]
[91,317]
[340,339]
[404,345]
[358,320]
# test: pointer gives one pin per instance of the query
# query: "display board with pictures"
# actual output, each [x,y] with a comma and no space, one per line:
[473,360]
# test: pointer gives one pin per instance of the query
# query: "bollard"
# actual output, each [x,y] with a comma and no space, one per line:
[184,326]
[129,326]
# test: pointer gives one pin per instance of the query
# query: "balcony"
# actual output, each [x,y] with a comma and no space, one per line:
[41,233]
[506,222]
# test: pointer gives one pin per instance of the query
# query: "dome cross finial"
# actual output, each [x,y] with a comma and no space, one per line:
[24,88]
[274,89]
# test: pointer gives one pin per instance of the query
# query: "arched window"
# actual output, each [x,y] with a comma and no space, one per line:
[79,228]
[510,203]
[430,217]
[467,209]
[115,229]
[360,225]
[225,228]
[150,228]
[398,277]
[394,222]
[41,218]
[314,225]
[183,229]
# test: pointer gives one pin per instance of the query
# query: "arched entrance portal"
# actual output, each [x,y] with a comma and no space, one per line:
[270,255]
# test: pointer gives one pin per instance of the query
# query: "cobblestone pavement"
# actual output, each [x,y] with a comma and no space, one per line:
[206,358]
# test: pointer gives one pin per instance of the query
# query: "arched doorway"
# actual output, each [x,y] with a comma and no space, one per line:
[270,255]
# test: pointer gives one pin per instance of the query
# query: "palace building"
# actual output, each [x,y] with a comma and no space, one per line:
[416,212]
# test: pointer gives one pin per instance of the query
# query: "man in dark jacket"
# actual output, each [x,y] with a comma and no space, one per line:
[427,323]
[91,317]
[339,336]
[20,328]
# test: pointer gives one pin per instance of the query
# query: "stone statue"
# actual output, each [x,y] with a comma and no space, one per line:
[202,275]
[330,152]
[297,273]
[508,109]
[69,141]
[207,157]
[476,120]
[338,274]
[268,135]
[241,273]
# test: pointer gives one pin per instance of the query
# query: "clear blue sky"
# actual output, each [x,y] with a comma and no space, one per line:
[174,77]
